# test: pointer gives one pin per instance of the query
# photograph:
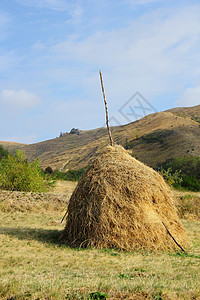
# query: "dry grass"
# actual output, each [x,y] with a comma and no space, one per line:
[121,203]
[34,265]
[188,205]
[64,187]
[56,200]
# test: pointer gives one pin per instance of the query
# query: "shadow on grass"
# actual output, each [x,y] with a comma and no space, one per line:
[47,236]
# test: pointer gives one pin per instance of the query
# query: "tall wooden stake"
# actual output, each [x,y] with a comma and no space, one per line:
[106,108]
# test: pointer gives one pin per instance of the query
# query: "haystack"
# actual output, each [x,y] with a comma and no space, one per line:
[121,203]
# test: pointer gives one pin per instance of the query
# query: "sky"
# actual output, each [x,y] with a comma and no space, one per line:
[51,52]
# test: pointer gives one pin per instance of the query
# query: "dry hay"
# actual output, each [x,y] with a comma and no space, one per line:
[121,203]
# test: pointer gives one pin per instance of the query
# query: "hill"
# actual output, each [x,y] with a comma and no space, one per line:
[10,146]
[152,139]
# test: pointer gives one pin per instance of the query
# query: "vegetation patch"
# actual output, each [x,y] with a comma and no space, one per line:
[18,174]
[158,136]
[70,175]
[98,295]
[182,172]
[196,119]
[137,272]
[3,152]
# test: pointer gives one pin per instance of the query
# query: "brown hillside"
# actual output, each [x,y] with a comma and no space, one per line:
[152,139]
[11,146]
[191,112]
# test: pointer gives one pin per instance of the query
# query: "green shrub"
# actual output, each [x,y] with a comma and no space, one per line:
[191,182]
[70,175]
[189,165]
[171,178]
[3,152]
[17,173]
[98,295]
[186,168]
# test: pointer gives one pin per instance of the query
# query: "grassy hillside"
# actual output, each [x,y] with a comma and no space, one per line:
[152,139]
[191,112]
[11,146]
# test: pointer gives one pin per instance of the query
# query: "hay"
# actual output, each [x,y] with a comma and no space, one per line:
[121,203]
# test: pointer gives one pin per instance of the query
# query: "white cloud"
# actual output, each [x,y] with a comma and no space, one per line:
[150,55]
[18,100]
[155,52]
[190,97]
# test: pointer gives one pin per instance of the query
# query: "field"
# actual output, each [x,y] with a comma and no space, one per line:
[35,265]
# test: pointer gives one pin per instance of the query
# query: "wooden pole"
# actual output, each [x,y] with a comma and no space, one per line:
[64,216]
[106,108]
[173,238]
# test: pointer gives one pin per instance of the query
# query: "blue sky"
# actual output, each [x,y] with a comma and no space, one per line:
[51,51]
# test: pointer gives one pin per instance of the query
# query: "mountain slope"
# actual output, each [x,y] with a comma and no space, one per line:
[191,112]
[11,146]
[152,139]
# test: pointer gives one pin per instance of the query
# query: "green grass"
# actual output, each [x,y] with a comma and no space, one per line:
[35,265]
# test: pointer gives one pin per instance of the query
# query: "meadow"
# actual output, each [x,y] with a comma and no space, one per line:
[35,265]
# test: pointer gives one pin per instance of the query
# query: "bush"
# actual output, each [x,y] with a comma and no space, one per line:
[173,179]
[191,182]
[98,295]
[3,152]
[18,174]
[189,165]
[187,168]
[70,175]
